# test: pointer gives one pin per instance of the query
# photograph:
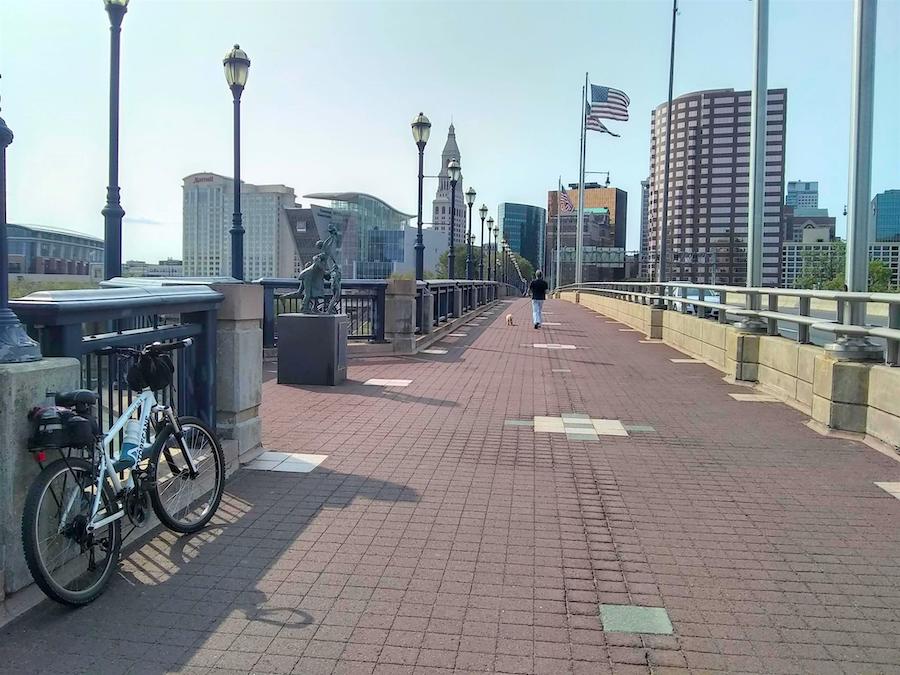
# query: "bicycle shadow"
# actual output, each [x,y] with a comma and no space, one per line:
[220,597]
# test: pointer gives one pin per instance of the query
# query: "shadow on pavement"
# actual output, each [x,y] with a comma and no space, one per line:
[180,603]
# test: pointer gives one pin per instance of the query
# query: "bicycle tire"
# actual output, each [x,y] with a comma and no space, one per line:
[30,539]
[169,520]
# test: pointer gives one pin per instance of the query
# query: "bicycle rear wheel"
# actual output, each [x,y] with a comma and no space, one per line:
[182,503]
[68,563]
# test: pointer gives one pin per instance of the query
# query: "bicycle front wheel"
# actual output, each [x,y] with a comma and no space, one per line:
[71,564]
[181,502]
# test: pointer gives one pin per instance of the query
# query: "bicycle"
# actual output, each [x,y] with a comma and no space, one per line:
[72,521]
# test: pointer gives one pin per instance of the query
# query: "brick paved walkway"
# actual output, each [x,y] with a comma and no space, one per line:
[443,534]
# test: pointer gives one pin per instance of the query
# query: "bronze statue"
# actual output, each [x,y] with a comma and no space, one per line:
[332,251]
[312,282]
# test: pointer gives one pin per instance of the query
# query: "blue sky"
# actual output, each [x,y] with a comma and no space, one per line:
[334,85]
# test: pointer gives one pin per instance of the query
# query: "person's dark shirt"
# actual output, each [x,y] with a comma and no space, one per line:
[539,289]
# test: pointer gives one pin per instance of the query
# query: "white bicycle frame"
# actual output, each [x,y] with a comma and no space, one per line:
[147,404]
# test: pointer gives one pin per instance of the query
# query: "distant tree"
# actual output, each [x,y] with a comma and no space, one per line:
[823,269]
[459,264]
[879,277]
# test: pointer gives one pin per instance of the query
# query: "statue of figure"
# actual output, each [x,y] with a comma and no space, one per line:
[312,282]
[332,250]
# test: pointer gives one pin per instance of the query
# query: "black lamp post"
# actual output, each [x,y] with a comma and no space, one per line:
[15,345]
[496,248]
[454,171]
[470,200]
[490,224]
[481,212]
[236,66]
[113,211]
[421,130]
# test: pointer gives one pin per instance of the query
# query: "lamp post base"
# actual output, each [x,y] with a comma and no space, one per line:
[851,348]
[15,345]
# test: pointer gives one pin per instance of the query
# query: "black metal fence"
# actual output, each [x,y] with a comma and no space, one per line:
[81,324]
[362,300]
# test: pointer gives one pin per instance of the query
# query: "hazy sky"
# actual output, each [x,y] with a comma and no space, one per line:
[334,85]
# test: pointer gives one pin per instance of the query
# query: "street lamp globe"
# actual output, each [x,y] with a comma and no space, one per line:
[421,129]
[454,170]
[607,180]
[470,196]
[236,64]
[483,211]
[116,3]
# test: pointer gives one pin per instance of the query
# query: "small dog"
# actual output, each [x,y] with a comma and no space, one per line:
[509,320]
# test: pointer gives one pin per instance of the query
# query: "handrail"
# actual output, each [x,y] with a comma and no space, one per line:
[666,292]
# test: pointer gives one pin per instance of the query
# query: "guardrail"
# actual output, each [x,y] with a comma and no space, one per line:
[82,323]
[362,300]
[678,296]
[473,293]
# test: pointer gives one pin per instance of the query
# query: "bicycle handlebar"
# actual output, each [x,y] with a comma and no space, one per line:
[155,348]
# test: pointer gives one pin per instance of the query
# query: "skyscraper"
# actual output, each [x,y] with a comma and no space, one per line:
[709,186]
[885,216]
[207,207]
[524,227]
[802,194]
[441,204]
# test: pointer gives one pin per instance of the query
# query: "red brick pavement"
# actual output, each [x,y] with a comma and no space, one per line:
[435,539]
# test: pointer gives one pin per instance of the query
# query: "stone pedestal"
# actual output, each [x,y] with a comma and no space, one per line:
[22,386]
[312,348]
[400,315]
[239,372]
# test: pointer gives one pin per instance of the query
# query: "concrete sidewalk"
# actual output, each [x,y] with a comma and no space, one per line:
[474,511]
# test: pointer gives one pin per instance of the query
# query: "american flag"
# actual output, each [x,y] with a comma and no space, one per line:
[565,204]
[608,103]
[592,122]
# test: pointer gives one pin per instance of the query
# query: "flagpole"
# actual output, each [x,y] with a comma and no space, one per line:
[559,187]
[579,227]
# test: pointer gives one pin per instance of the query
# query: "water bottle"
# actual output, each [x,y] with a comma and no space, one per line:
[131,451]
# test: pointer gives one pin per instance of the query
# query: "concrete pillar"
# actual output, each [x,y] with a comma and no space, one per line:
[655,316]
[427,320]
[239,372]
[841,394]
[22,386]
[400,315]
[457,299]
[741,355]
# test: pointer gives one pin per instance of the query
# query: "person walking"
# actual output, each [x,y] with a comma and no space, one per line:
[538,290]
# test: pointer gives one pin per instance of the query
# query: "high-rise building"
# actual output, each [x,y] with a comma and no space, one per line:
[524,227]
[885,217]
[642,266]
[269,249]
[795,220]
[709,186]
[802,194]
[603,237]
[441,208]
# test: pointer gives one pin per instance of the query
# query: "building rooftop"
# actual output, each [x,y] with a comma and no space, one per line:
[353,198]
[57,230]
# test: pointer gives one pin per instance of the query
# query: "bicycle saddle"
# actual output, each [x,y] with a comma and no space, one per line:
[77,397]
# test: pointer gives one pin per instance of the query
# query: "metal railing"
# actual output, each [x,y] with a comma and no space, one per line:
[474,293]
[82,323]
[710,301]
[362,300]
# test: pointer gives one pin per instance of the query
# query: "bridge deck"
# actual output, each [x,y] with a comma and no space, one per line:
[477,518]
